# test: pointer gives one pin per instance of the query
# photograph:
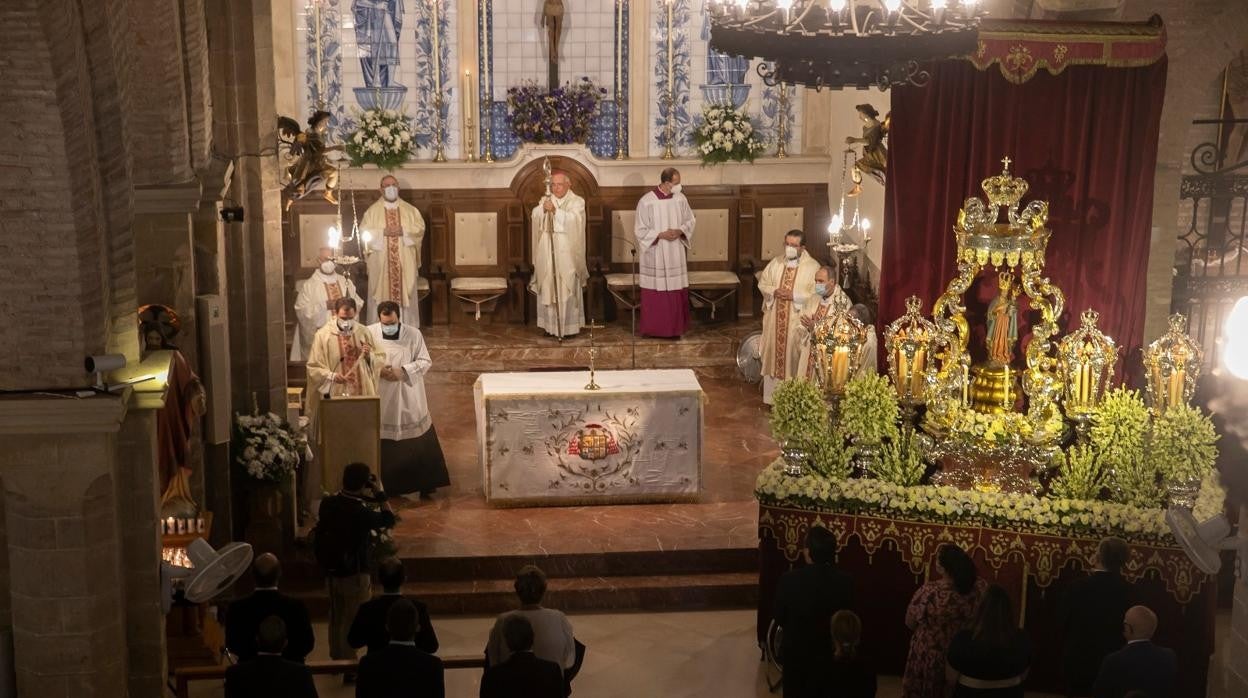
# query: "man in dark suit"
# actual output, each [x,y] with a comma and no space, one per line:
[1141,665]
[242,622]
[369,627]
[806,599]
[268,674]
[400,669]
[1093,615]
[523,675]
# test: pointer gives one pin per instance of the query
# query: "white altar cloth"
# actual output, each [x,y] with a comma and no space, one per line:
[542,439]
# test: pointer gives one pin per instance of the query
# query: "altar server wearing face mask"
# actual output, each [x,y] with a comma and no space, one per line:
[787,283]
[315,301]
[411,457]
[343,362]
[393,231]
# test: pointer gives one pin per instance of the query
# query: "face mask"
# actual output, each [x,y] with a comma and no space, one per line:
[390,330]
[790,252]
[327,267]
[391,192]
[346,325]
[821,289]
[676,189]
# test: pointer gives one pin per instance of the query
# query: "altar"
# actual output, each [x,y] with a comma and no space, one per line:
[544,440]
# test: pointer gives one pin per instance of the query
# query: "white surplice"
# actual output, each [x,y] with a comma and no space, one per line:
[404,407]
[310,310]
[569,241]
[662,262]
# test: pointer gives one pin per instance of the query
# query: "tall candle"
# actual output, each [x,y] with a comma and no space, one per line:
[916,375]
[903,374]
[1175,392]
[840,367]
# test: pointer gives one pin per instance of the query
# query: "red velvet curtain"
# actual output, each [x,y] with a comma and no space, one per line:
[1085,140]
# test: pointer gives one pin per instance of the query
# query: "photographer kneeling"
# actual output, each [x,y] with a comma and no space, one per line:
[341,542]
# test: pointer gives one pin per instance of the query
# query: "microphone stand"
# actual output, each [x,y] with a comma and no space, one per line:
[632,310]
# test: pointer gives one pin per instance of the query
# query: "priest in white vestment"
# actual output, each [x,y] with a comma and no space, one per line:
[870,350]
[393,231]
[827,297]
[411,457]
[568,274]
[664,230]
[315,302]
[343,361]
[786,284]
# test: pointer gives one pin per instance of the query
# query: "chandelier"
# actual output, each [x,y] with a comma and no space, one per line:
[845,43]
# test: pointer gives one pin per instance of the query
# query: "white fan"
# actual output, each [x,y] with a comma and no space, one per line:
[211,571]
[1204,541]
[749,358]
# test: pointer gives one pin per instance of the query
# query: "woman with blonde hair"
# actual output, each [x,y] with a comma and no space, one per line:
[848,675]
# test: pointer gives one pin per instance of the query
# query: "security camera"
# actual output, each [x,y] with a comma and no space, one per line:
[100,364]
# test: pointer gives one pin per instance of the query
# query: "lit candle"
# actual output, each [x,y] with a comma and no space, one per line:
[199,525]
[840,367]
[1175,392]
[903,373]
[1085,383]
[170,526]
[916,375]
[1009,404]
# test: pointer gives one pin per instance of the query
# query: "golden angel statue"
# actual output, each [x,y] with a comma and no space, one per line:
[874,160]
[1003,321]
[311,169]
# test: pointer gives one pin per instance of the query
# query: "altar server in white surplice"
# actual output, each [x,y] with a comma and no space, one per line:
[826,298]
[786,284]
[664,230]
[395,230]
[569,270]
[315,302]
[411,457]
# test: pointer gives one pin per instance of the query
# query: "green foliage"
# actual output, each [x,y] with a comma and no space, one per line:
[869,411]
[1080,475]
[798,412]
[1182,444]
[900,463]
[1120,434]
[830,456]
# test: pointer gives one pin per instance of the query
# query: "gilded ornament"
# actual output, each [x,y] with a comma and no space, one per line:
[1172,364]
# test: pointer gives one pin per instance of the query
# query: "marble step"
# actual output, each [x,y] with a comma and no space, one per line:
[671,592]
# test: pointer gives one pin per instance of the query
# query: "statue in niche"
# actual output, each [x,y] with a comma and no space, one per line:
[552,19]
[874,160]
[377,27]
[1003,321]
[725,75]
[185,403]
[311,169]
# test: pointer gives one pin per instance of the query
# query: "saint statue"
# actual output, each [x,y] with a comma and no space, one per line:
[874,158]
[311,167]
[1003,321]
[377,27]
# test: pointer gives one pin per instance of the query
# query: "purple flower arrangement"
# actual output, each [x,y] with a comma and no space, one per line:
[562,115]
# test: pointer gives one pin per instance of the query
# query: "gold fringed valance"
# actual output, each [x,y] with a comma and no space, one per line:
[1021,47]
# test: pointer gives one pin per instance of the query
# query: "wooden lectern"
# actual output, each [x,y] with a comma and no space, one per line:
[350,433]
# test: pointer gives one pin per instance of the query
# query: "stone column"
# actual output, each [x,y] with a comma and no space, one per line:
[63,545]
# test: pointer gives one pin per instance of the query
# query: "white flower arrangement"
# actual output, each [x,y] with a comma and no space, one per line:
[268,447]
[950,505]
[726,133]
[382,137]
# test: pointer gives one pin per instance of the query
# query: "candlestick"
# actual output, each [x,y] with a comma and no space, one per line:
[485,98]
[470,140]
[671,88]
[782,125]
[621,145]
[438,154]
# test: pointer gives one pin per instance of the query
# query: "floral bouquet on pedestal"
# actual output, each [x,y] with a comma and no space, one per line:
[562,115]
[383,138]
[726,133]
[269,448]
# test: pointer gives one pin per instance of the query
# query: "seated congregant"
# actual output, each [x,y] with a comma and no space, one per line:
[552,632]
[523,674]
[1092,617]
[849,674]
[242,621]
[990,658]
[1140,666]
[369,628]
[400,669]
[268,674]
[806,600]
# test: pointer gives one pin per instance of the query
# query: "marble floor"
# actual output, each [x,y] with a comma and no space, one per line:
[458,522]
[708,654]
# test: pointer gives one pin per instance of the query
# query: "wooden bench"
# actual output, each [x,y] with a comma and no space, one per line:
[478,290]
[183,677]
